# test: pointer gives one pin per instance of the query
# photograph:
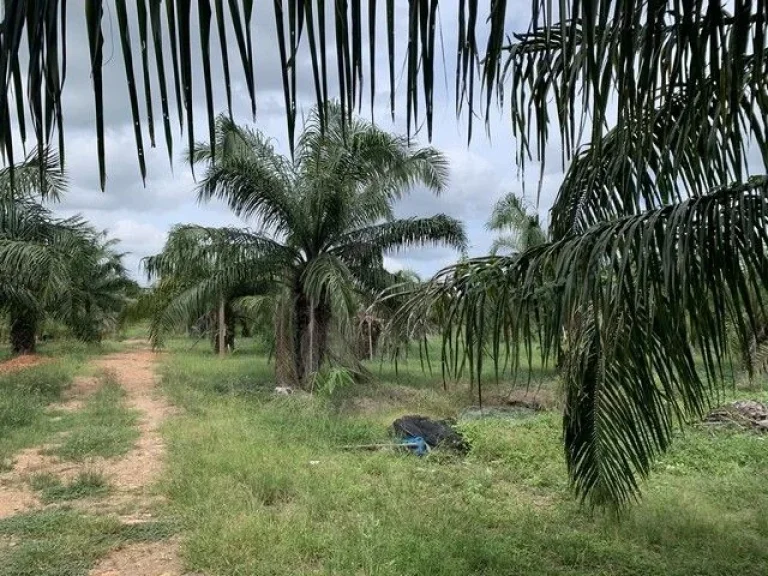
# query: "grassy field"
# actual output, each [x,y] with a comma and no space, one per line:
[264,485]
[259,484]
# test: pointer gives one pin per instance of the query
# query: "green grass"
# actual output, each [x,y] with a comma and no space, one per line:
[24,397]
[64,542]
[104,427]
[263,485]
[87,484]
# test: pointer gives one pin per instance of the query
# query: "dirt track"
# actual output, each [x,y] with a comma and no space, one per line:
[131,477]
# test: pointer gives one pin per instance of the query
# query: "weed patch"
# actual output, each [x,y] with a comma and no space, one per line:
[86,485]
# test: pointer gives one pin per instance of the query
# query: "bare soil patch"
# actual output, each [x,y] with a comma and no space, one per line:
[21,362]
[146,558]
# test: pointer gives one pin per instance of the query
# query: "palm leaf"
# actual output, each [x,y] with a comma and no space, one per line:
[631,370]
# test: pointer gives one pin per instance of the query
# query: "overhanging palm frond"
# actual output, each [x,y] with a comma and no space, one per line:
[611,50]
[677,151]
[631,370]
[636,57]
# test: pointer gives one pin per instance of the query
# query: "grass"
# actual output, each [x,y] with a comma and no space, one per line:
[264,486]
[104,427]
[65,542]
[87,484]
[25,395]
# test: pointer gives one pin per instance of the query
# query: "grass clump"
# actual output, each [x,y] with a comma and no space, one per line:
[105,427]
[87,484]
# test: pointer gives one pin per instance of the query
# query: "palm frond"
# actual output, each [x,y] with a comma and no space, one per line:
[606,295]
[598,49]
[403,234]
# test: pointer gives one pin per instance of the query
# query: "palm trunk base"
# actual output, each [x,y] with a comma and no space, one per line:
[23,331]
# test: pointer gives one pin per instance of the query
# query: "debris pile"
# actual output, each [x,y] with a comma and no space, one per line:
[434,432]
[742,413]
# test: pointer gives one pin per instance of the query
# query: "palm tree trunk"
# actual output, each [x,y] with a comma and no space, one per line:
[222,327]
[370,339]
[23,331]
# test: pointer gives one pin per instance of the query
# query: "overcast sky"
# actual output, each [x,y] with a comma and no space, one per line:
[141,215]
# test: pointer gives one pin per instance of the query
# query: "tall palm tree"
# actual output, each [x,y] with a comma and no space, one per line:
[323,221]
[518,229]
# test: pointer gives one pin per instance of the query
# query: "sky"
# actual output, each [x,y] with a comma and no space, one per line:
[140,214]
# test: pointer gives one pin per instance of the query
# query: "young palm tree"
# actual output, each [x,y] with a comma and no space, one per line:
[31,265]
[200,274]
[324,222]
[98,286]
[518,229]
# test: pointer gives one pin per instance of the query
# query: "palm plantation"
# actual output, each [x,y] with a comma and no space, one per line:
[656,252]
[322,224]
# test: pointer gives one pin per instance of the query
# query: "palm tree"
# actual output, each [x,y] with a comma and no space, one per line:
[323,223]
[31,266]
[201,273]
[658,232]
[52,267]
[518,229]
[98,286]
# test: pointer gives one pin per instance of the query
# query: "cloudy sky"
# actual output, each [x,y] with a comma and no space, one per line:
[141,214]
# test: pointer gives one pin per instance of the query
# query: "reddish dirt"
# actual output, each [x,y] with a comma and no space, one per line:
[21,362]
[147,559]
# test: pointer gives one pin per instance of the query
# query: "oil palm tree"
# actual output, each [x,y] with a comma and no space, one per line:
[518,229]
[658,230]
[98,286]
[199,276]
[52,267]
[31,264]
[323,222]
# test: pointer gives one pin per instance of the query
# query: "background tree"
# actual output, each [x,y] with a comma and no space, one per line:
[199,275]
[52,267]
[518,229]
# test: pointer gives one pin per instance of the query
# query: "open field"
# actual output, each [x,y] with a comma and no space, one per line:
[258,484]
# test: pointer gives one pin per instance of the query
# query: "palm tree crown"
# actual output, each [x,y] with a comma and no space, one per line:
[519,229]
